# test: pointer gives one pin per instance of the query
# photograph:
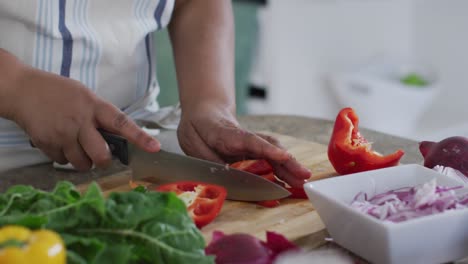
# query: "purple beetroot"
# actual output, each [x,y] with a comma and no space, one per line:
[451,152]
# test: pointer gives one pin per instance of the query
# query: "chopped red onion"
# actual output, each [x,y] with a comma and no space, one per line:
[411,202]
[452,173]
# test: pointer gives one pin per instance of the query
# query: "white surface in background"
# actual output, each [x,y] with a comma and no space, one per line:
[303,40]
[376,88]
[328,256]
[441,38]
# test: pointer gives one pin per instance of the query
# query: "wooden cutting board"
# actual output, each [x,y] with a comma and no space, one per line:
[296,219]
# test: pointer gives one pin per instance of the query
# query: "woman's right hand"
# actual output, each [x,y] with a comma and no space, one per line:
[61,116]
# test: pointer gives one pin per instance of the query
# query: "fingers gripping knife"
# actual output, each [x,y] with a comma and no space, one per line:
[163,167]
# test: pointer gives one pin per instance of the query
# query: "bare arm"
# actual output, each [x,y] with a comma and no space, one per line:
[202,34]
[10,71]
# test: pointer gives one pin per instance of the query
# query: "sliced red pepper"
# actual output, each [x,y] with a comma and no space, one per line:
[204,201]
[269,203]
[263,168]
[349,151]
[270,176]
[296,193]
[258,167]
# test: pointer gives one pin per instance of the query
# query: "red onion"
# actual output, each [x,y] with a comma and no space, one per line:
[246,249]
[411,202]
[451,152]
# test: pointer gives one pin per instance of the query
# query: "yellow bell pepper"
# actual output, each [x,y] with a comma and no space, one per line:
[19,245]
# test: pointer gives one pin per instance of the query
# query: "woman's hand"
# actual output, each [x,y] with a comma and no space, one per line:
[61,116]
[205,75]
[213,133]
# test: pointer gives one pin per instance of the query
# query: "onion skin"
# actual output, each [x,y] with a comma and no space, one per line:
[451,152]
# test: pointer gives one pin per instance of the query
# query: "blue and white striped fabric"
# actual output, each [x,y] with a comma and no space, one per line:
[105,44]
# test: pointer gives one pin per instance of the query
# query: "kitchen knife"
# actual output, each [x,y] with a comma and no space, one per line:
[163,167]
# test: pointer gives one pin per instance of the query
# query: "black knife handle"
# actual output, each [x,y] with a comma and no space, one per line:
[118,145]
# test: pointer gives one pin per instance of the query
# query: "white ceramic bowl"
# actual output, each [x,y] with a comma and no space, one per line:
[436,238]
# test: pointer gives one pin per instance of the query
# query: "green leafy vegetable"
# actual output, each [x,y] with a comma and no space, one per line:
[141,189]
[414,79]
[131,227]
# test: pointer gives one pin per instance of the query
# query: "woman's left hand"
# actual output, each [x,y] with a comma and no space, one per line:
[213,133]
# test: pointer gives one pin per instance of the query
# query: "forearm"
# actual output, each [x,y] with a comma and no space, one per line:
[202,35]
[10,71]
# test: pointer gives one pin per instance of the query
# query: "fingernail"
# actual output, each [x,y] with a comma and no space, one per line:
[153,145]
[109,153]
[288,155]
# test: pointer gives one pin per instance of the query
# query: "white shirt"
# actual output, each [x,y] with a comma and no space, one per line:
[105,44]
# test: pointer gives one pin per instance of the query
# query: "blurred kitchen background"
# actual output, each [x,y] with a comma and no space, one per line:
[401,64]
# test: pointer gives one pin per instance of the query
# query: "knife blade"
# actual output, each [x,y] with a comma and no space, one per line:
[164,167]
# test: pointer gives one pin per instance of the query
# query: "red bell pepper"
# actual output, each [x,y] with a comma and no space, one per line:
[263,168]
[204,201]
[269,203]
[297,193]
[258,167]
[349,151]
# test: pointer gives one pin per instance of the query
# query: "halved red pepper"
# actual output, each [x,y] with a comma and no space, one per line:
[349,152]
[204,201]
